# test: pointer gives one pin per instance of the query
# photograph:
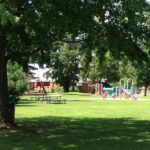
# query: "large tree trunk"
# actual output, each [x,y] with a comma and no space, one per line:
[4,103]
[145,92]
[66,84]
[66,87]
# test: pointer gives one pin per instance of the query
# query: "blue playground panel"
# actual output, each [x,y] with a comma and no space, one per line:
[108,89]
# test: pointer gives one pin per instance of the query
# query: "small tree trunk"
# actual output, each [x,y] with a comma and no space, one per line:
[145,92]
[4,103]
[73,88]
[66,85]
[66,88]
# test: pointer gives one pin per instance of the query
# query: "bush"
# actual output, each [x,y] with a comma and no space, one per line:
[16,85]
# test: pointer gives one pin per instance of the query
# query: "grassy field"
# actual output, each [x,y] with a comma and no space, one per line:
[88,95]
[76,95]
[80,125]
[145,97]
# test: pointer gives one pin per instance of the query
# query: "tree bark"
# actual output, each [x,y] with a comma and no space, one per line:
[66,84]
[4,103]
[66,87]
[73,88]
[145,92]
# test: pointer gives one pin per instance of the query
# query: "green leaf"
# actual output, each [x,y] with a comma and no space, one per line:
[6,16]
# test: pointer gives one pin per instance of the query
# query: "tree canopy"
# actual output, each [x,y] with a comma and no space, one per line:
[97,70]
[30,29]
[64,65]
[32,26]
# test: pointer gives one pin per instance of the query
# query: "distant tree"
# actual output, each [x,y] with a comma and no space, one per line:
[64,66]
[107,69]
[143,76]
[128,69]
[92,71]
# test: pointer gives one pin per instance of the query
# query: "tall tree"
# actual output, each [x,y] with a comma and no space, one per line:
[143,74]
[98,70]
[64,66]
[128,69]
[30,27]
[139,73]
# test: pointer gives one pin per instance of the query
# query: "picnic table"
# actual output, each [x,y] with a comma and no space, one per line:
[50,99]
[37,96]
[54,99]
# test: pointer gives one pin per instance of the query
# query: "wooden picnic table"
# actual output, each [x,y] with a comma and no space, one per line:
[50,99]
[37,96]
[54,99]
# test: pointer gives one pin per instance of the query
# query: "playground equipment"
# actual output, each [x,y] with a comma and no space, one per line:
[113,92]
[127,89]
[95,88]
[105,91]
[135,96]
[104,95]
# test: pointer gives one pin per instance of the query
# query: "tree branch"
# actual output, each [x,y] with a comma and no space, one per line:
[3,40]
[17,55]
[68,41]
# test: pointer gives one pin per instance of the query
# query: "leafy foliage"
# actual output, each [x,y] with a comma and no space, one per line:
[107,69]
[32,28]
[117,26]
[128,69]
[144,76]
[16,85]
[64,65]
[6,16]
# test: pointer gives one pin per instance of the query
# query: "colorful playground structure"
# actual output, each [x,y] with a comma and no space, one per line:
[127,90]
[124,90]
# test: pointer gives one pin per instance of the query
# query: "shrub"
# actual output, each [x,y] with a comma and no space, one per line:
[16,85]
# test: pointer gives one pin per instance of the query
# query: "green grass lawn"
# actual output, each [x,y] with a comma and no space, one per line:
[80,125]
[77,95]
[145,97]
[88,95]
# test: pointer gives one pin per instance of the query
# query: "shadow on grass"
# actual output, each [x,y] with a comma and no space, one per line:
[26,105]
[23,103]
[58,133]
